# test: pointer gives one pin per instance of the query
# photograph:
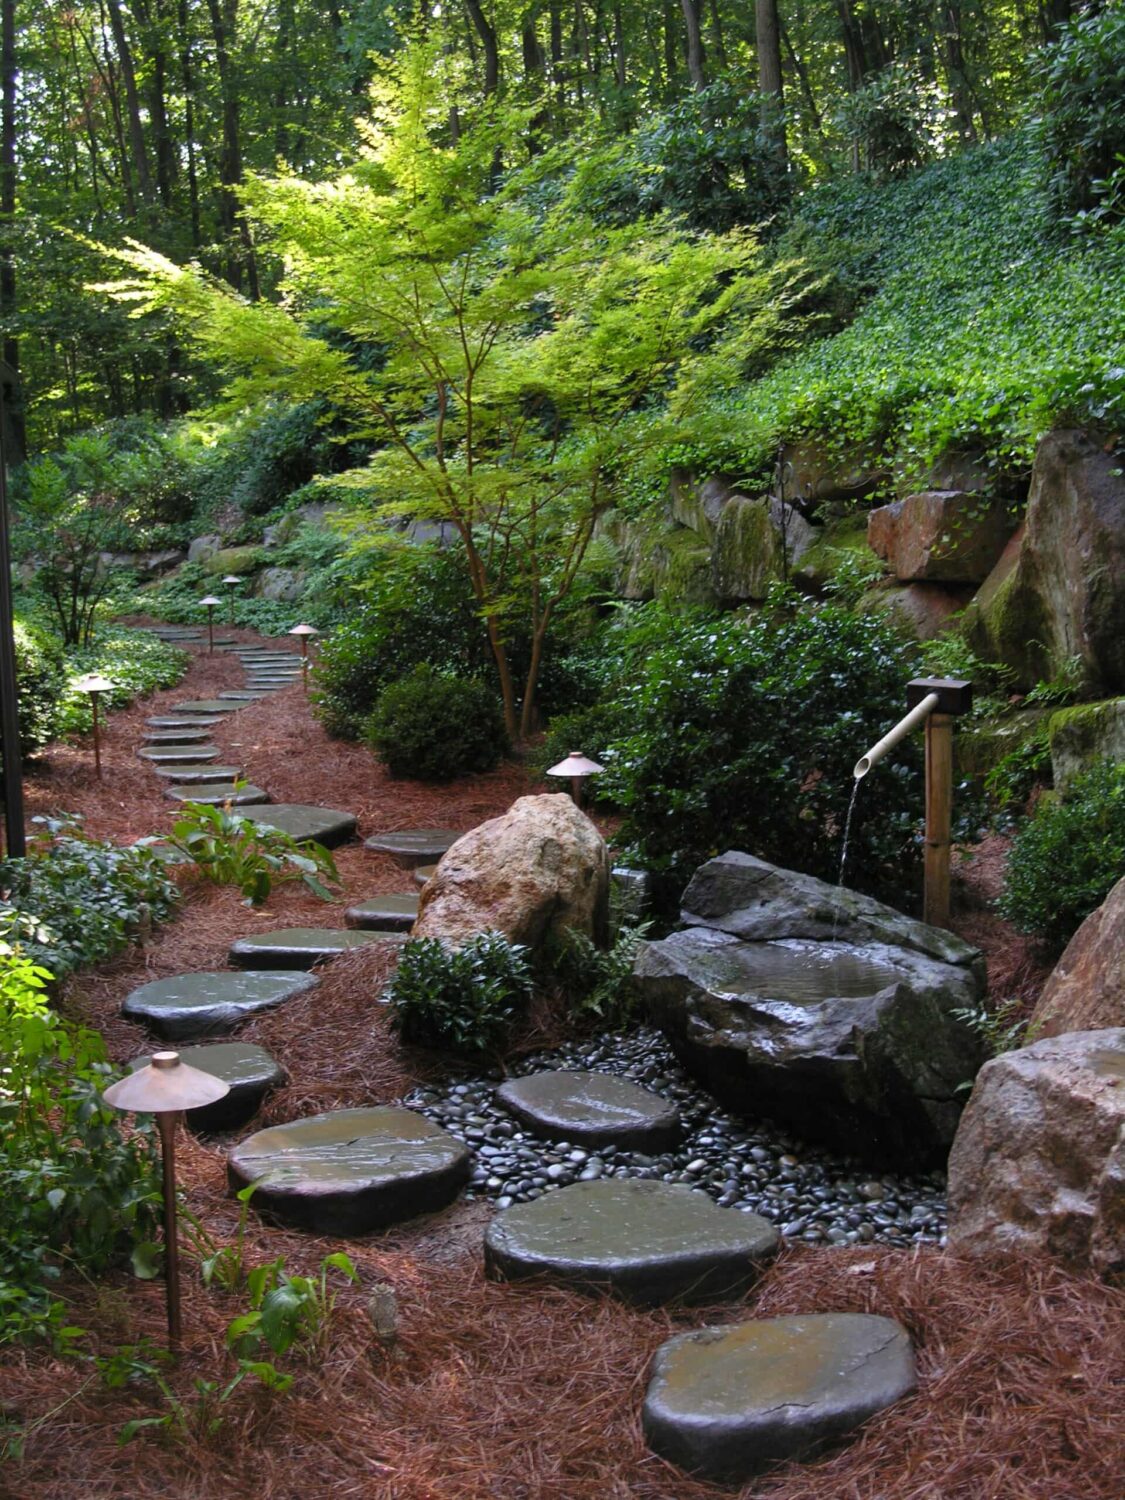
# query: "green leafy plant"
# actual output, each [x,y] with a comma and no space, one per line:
[39,682]
[462,999]
[1064,688]
[231,850]
[133,660]
[1081,120]
[289,1311]
[598,982]
[1014,777]
[1002,1027]
[186,1420]
[435,728]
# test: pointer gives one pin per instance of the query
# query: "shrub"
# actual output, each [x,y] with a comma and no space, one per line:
[40,681]
[1066,858]
[133,660]
[464,999]
[232,850]
[1082,119]
[436,728]
[598,982]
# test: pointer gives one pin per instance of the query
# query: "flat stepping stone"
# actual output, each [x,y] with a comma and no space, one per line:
[216,793]
[206,706]
[650,1242]
[240,696]
[250,1071]
[384,914]
[413,846]
[727,1403]
[301,947]
[192,773]
[323,824]
[423,873]
[592,1109]
[171,755]
[192,1005]
[185,721]
[176,632]
[351,1171]
[178,736]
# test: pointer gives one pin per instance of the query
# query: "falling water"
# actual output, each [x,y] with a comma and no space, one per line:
[844,853]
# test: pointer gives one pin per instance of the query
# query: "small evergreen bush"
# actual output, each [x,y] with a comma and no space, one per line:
[435,728]
[461,1000]
[1081,123]
[40,682]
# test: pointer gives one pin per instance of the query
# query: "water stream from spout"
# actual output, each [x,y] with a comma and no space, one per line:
[844,853]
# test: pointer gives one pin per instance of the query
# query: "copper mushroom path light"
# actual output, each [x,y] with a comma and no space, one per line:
[578,767]
[232,581]
[211,601]
[164,1089]
[304,634]
[94,683]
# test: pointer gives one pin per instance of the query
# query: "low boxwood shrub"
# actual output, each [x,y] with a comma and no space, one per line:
[434,728]
[460,999]
[1067,856]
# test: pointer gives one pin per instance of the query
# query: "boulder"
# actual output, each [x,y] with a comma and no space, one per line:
[1079,737]
[1086,990]
[146,564]
[756,542]
[659,560]
[238,560]
[840,541]
[200,548]
[818,473]
[955,469]
[285,585]
[940,536]
[698,504]
[1039,1161]
[923,610]
[531,874]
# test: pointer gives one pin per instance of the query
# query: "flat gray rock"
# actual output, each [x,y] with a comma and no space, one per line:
[249,1070]
[301,947]
[351,1171]
[192,1005]
[223,791]
[727,1403]
[239,696]
[650,1242]
[170,755]
[384,913]
[323,824]
[413,846]
[592,1109]
[198,736]
[182,721]
[422,873]
[206,706]
[192,772]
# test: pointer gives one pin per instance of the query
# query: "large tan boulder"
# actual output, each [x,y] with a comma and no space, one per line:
[940,536]
[1038,1162]
[537,870]
[1086,990]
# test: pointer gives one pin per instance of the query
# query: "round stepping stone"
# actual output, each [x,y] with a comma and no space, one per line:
[241,697]
[592,1109]
[727,1403]
[351,1171]
[191,1005]
[384,914]
[207,706]
[223,791]
[301,947]
[170,755]
[323,824]
[188,721]
[413,846]
[250,1071]
[191,773]
[423,873]
[177,736]
[650,1242]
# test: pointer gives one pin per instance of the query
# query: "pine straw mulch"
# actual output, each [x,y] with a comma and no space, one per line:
[495,1392]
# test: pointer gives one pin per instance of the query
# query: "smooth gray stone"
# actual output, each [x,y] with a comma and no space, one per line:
[301,821]
[183,721]
[301,947]
[592,1109]
[384,914]
[650,1242]
[176,632]
[191,1005]
[413,846]
[206,706]
[223,791]
[351,1171]
[422,873]
[249,1070]
[200,774]
[240,696]
[170,755]
[727,1403]
[177,736]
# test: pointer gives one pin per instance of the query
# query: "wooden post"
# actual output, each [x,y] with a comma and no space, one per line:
[939,806]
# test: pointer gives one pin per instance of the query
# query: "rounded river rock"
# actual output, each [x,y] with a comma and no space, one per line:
[191,1005]
[592,1109]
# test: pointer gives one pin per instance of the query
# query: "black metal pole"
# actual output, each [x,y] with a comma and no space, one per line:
[15,841]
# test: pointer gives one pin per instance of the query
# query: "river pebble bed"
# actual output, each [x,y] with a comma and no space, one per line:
[755,1166]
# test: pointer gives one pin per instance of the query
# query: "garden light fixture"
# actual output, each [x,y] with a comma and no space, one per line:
[578,767]
[304,633]
[232,580]
[94,683]
[211,601]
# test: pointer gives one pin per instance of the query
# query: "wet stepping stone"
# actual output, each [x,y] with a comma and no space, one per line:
[727,1403]
[170,755]
[650,1242]
[184,721]
[197,773]
[323,824]
[301,947]
[240,696]
[384,914]
[191,1005]
[176,632]
[351,1171]
[592,1109]
[214,794]
[423,873]
[177,736]
[206,706]
[250,1071]
[413,846]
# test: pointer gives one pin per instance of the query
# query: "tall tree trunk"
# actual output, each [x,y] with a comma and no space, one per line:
[224,29]
[694,44]
[1052,15]
[487,34]
[619,69]
[959,89]
[15,433]
[132,100]
[717,33]
[803,79]
[154,30]
[768,29]
[108,75]
[187,78]
[285,25]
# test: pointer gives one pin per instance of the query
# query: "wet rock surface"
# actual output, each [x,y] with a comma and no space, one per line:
[173,755]
[191,1005]
[301,947]
[242,795]
[322,824]
[414,846]
[384,913]
[195,773]
[249,1071]
[594,1109]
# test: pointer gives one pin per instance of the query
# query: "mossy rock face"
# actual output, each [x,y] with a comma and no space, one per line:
[698,504]
[922,611]
[756,542]
[659,560]
[831,548]
[1081,736]
[240,560]
[979,747]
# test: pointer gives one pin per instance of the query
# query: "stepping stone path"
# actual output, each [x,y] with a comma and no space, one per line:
[250,1071]
[239,697]
[384,914]
[423,873]
[177,632]
[301,947]
[593,1109]
[207,706]
[301,822]
[194,1005]
[177,736]
[170,755]
[727,1403]
[351,1171]
[185,721]
[199,774]
[650,1242]
[223,791]
[413,847]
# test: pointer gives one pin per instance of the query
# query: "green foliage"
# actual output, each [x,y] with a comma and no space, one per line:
[461,1000]
[435,728]
[39,682]
[895,120]
[1002,1027]
[598,982]
[1082,120]
[1014,777]
[1067,857]
[853,574]
[1065,688]
[232,850]
[288,1311]
[133,660]
[186,1420]
[587,729]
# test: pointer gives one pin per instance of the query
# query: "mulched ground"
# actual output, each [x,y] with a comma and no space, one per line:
[494,1392]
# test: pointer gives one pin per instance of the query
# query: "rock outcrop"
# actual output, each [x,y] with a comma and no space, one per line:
[940,536]
[1081,736]
[1086,991]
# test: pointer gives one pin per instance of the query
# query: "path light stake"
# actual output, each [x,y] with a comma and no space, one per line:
[578,767]
[934,701]
[94,683]
[165,1089]
[211,601]
[232,580]
[304,634]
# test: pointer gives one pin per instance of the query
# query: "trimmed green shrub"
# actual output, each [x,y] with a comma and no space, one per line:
[1067,857]
[464,999]
[435,728]
[40,679]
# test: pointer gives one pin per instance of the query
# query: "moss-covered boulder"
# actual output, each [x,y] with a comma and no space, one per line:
[1081,736]
[699,503]
[837,545]
[921,610]
[239,560]
[756,542]
[658,559]
[980,745]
